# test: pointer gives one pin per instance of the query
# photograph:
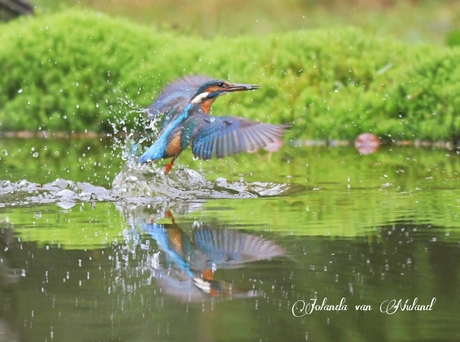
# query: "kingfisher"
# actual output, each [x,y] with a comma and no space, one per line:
[185,106]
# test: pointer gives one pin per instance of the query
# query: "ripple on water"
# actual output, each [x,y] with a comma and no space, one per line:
[139,184]
[65,193]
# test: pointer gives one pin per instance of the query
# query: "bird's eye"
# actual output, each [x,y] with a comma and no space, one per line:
[221,84]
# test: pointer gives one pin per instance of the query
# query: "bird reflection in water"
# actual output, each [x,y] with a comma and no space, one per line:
[191,262]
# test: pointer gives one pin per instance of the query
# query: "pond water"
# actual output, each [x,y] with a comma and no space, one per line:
[308,244]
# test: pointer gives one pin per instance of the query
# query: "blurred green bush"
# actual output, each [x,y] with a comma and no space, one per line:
[77,70]
[453,38]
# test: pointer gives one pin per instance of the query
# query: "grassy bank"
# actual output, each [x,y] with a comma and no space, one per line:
[76,70]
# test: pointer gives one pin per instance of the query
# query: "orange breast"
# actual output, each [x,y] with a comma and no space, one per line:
[173,148]
[206,105]
[175,238]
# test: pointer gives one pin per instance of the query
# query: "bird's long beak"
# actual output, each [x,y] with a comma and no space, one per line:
[241,87]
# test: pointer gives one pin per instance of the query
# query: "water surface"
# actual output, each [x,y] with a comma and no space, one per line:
[236,255]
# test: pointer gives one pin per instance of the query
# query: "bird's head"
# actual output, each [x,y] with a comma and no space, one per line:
[211,90]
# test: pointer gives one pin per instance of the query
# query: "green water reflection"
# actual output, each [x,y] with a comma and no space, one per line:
[367,229]
[44,160]
[110,290]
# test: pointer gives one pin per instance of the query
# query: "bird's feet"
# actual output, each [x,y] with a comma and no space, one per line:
[168,168]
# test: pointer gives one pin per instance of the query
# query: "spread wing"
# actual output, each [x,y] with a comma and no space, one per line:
[231,248]
[221,136]
[175,96]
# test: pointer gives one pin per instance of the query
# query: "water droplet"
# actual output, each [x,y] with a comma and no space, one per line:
[20,91]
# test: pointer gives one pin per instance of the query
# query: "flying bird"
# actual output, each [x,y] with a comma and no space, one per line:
[185,106]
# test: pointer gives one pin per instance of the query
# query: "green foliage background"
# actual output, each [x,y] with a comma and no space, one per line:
[76,70]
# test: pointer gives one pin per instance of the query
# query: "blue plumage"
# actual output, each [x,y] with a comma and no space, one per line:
[159,148]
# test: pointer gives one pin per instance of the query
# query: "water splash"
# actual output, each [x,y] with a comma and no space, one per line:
[149,181]
[139,184]
[65,193]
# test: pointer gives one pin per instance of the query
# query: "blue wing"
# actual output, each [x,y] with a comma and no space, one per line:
[221,136]
[175,97]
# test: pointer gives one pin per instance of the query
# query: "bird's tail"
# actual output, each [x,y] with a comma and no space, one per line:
[153,153]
